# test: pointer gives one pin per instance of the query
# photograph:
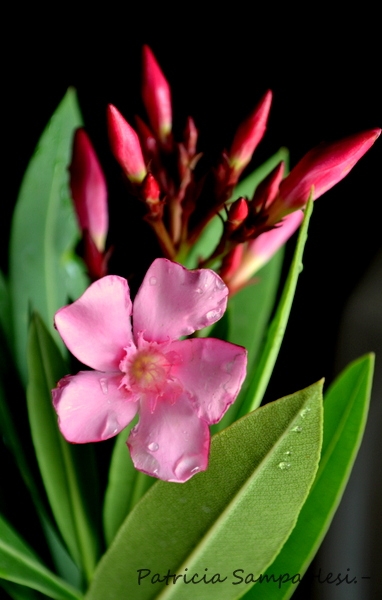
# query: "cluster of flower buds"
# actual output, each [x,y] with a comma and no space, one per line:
[180,202]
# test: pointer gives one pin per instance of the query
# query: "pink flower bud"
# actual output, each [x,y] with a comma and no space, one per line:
[249,134]
[260,250]
[322,168]
[125,145]
[88,187]
[156,95]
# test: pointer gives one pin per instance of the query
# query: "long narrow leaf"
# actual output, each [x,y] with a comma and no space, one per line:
[248,315]
[44,231]
[345,412]
[125,487]
[57,459]
[259,378]
[235,515]
[20,565]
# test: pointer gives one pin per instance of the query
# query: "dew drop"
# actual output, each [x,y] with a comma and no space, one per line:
[288,453]
[153,280]
[304,412]
[297,429]
[103,385]
[153,447]
[111,427]
[198,291]
[206,509]
[213,315]
[156,471]
[283,465]
[186,466]
[220,284]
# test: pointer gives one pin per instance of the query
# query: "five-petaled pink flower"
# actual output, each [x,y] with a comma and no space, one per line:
[178,387]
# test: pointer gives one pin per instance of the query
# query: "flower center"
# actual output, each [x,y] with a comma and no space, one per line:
[148,371]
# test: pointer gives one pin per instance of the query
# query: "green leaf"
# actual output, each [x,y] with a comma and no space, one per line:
[248,314]
[20,592]
[5,309]
[66,485]
[44,231]
[259,378]
[125,487]
[19,564]
[237,514]
[345,413]
[249,184]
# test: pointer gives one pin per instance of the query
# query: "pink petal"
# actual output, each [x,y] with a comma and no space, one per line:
[173,301]
[171,442]
[91,407]
[211,372]
[96,328]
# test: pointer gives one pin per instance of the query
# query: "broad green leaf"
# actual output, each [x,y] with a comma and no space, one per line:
[209,237]
[67,487]
[19,564]
[44,231]
[345,413]
[125,487]
[248,315]
[259,378]
[237,514]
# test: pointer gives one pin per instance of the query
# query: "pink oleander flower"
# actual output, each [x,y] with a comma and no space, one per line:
[88,188]
[321,169]
[178,387]
[125,145]
[156,95]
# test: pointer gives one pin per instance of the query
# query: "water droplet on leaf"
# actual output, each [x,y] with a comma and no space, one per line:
[297,429]
[283,465]
[304,412]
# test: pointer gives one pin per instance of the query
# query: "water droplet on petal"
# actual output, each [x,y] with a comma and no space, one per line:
[220,284]
[283,465]
[186,466]
[156,471]
[304,412]
[297,429]
[213,315]
[111,427]
[153,447]
[198,291]
[103,385]
[153,280]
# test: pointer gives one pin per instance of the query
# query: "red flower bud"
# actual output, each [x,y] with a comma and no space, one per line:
[156,96]
[250,134]
[88,187]
[125,145]
[322,168]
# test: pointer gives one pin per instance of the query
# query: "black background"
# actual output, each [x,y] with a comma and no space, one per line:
[324,71]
